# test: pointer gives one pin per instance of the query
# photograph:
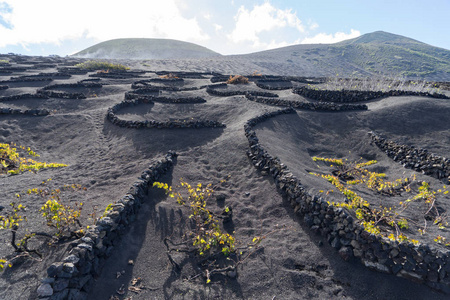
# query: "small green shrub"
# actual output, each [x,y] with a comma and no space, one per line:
[63,217]
[12,162]
[347,174]
[216,251]
[12,220]
[101,65]
[3,264]
[207,236]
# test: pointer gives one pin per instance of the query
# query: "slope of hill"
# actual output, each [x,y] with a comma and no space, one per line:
[145,49]
[374,53]
[113,128]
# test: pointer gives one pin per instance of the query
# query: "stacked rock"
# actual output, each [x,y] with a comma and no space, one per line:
[419,160]
[420,263]
[73,277]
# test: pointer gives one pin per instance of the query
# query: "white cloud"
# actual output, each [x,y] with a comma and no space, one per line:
[313,26]
[262,18]
[323,38]
[52,21]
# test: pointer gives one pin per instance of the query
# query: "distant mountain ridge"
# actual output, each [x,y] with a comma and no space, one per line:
[145,48]
[374,54]
[377,53]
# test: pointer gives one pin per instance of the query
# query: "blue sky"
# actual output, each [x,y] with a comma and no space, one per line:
[62,27]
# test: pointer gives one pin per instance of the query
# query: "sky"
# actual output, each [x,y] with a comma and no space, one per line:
[64,27]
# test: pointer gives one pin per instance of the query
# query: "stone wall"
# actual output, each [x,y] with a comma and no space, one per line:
[117,74]
[53,75]
[72,70]
[113,118]
[15,80]
[31,112]
[274,84]
[141,87]
[23,96]
[355,96]
[213,90]
[133,96]
[88,85]
[61,95]
[420,263]
[190,75]
[74,276]
[319,106]
[169,80]
[417,159]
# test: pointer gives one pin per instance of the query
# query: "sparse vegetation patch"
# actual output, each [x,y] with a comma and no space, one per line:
[237,79]
[388,221]
[101,66]
[216,251]
[58,214]
[13,161]
[379,84]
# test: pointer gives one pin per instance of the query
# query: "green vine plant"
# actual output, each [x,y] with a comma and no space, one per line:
[12,220]
[65,218]
[4,264]
[13,160]
[378,220]
[58,215]
[215,250]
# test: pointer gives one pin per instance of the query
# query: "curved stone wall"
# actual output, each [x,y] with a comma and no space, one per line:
[73,85]
[319,106]
[274,84]
[10,70]
[420,263]
[62,95]
[133,96]
[113,118]
[190,75]
[212,90]
[73,70]
[59,75]
[23,96]
[26,79]
[143,87]
[417,159]
[117,74]
[31,112]
[355,96]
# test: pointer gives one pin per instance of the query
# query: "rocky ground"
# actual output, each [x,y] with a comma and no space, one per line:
[106,158]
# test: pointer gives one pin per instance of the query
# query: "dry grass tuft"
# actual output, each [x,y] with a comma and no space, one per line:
[379,84]
[168,76]
[237,79]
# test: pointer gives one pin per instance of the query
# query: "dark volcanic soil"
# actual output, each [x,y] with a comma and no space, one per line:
[106,159]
